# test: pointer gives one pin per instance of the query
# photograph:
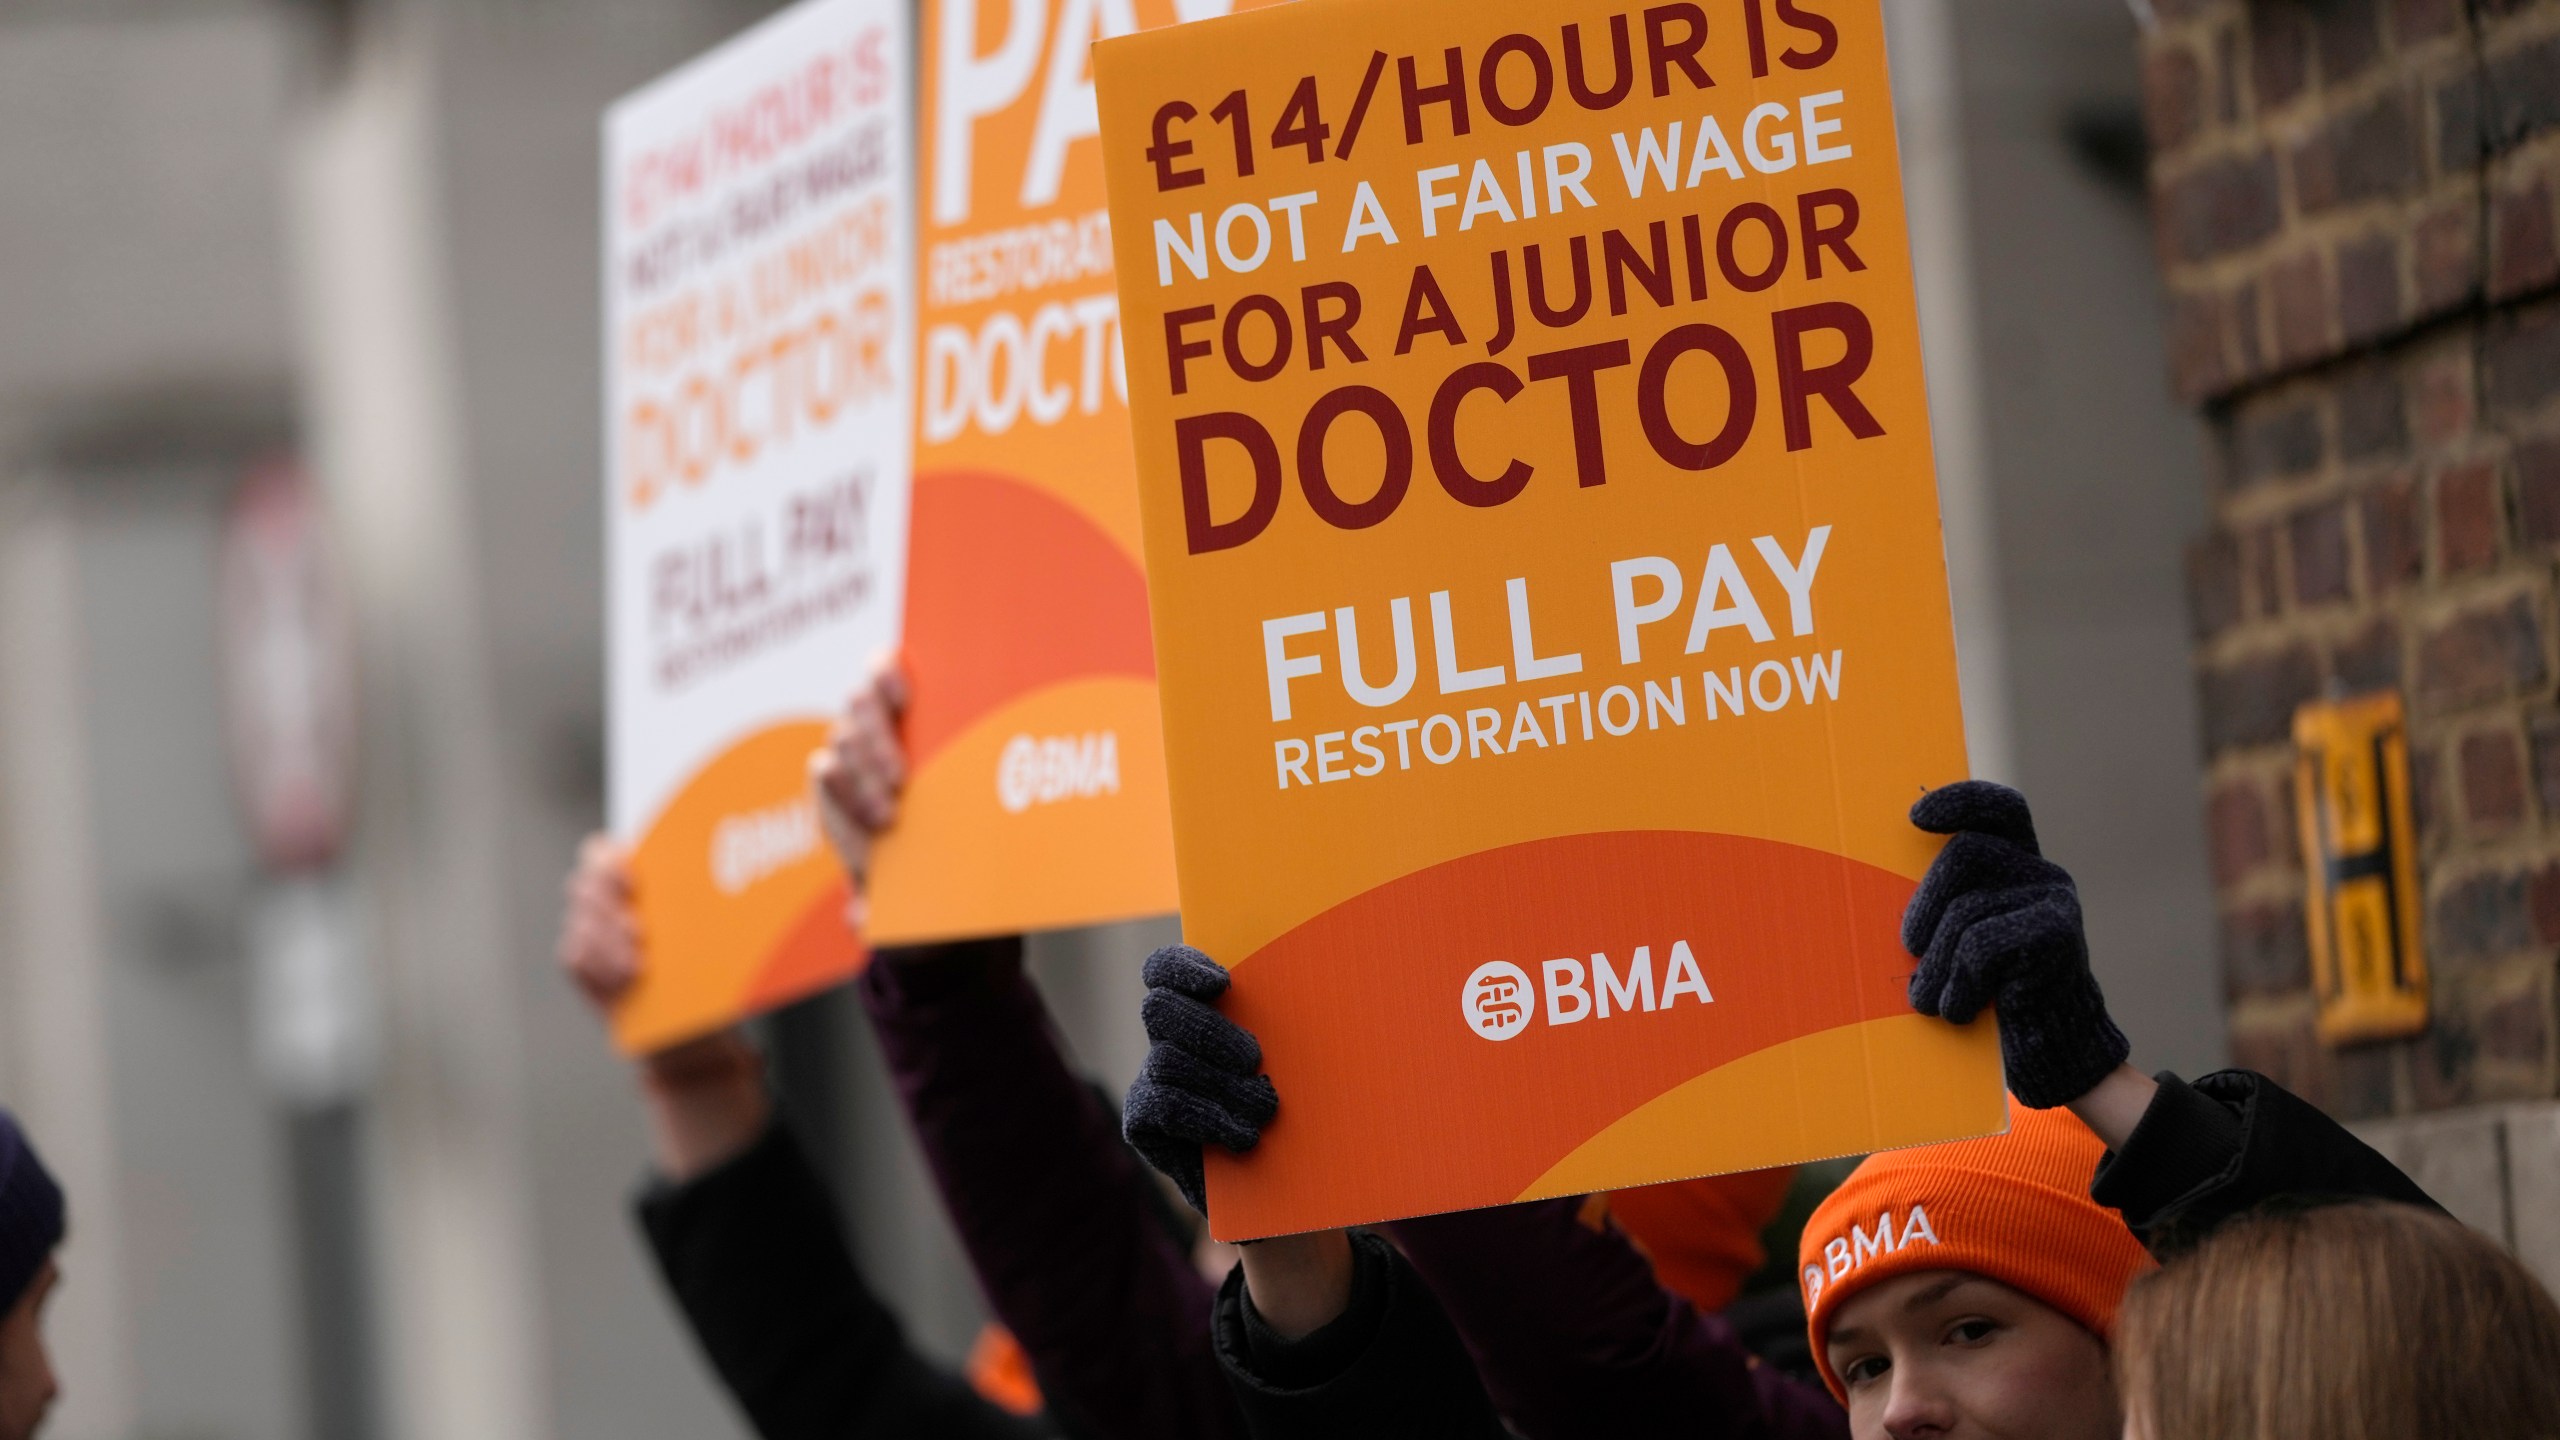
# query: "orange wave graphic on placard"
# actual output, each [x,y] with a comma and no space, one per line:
[1875,1085]
[1792,943]
[765,927]
[1010,590]
[818,950]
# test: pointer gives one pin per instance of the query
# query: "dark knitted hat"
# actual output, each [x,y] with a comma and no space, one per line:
[30,1213]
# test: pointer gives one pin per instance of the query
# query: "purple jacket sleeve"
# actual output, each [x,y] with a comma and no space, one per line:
[1574,1337]
[1063,1227]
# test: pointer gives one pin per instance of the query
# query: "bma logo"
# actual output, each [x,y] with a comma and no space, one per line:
[1043,771]
[1498,1001]
[748,847]
[1845,1255]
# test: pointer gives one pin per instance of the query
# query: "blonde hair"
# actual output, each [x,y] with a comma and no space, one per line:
[2346,1322]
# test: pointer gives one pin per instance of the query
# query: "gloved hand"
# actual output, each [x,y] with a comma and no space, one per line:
[1201,1083]
[1995,923]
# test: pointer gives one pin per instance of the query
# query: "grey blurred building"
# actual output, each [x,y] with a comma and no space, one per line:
[361,234]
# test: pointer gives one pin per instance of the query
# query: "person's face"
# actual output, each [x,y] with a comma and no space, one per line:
[1951,1355]
[26,1373]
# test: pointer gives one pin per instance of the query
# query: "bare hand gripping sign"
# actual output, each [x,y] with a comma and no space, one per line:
[1544,558]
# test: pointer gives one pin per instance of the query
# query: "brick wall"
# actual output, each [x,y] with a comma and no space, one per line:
[2355,202]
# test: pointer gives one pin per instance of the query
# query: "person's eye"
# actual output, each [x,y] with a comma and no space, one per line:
[1971,1332]
[1864,1369]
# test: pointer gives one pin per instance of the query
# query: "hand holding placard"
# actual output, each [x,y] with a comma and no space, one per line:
[1996,924]
[858,777]
[1202,1082]
[705,1097]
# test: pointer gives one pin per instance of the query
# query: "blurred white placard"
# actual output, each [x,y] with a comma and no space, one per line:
[758,347]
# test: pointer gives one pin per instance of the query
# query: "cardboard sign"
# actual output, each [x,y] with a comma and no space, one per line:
[1035,744]
[2360,853]
[758,339]
[1545,564]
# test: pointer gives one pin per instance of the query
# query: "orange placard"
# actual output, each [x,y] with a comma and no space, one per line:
[1547,586]
[1037,791]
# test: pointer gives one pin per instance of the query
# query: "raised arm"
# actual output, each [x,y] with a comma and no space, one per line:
[745,1233]
[1077,1251]
[1329,1334]
[705,1100]
[755,1255]
[1995,925]
[1578,1340]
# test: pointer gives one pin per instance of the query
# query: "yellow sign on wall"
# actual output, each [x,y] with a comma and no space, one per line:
[2360,854]
[1548,593]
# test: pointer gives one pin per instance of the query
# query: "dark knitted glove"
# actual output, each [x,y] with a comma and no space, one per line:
[1201,1083]
[1995,923]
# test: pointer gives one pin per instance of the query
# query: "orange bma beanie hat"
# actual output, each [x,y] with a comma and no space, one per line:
[2014,1208]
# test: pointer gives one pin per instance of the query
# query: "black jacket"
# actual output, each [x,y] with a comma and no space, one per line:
[2201,1154]
[1389,1366]
[754,1255]
[2229,1143]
